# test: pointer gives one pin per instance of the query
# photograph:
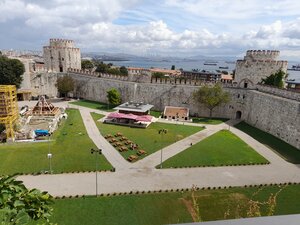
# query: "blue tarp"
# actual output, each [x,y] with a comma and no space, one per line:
[41,132]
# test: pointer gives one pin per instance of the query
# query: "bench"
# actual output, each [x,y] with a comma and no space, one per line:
[132,158]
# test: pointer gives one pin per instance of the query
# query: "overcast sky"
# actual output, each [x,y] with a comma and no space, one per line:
[157,27]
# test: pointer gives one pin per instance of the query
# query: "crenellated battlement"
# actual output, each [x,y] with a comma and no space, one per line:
[261,61]
[61,40]
[96,74]
[262,54]
[55,42]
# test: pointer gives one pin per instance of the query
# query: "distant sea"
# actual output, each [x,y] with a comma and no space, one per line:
[189,65]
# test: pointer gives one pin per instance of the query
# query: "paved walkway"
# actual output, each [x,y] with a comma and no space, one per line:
[141,176]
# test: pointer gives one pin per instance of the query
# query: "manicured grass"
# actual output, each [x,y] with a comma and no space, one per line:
[70,146]
[169,208]
[212,121]
[288,152]
[156,114]
[147,139]
[94,105]
[222,148]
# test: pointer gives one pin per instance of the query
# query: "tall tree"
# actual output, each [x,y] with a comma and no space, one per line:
[11,71]
[211,97]
[87,64]
[114,96]
[64,85]
[275,79]
[123,70]
[18,205]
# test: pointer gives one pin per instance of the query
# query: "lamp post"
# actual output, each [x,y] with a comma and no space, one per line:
[49,155]
[97,152]
[162,132]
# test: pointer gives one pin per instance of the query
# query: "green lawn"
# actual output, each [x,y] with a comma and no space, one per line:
[222,148]
[147,139]
[288,152]
[94,105]
[169,208]
[212,121]
[70,146]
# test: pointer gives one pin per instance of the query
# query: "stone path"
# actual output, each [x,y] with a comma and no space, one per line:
[142,176]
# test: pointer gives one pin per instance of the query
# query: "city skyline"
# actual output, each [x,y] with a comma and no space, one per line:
[167,28]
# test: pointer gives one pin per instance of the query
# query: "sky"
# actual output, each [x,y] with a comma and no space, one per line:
[158,27]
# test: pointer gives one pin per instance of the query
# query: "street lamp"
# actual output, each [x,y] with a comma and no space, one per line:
[49,155]
[162,132]
[97,152]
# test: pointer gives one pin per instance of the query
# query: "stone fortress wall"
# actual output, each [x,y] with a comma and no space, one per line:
[271,109]
[60,55]
[257,64]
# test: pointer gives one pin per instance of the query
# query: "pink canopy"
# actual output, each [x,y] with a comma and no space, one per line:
[145,118]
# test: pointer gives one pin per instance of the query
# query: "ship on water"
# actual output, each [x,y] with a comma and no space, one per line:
[210,63]
[295,67]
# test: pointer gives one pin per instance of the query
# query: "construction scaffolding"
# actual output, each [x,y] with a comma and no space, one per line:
[8,109]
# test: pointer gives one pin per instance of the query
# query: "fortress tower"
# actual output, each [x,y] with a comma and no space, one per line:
[257,64]
[61,55]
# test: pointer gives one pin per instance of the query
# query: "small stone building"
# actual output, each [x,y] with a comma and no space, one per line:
[176,113]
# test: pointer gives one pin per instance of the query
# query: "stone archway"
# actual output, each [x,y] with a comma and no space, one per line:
[238,115]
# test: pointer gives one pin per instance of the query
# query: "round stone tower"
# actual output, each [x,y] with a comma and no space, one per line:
[256,65]
[61,55]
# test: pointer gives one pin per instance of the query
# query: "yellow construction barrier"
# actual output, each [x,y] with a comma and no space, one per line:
[8,109]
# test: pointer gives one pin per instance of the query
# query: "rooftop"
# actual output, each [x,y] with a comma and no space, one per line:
[134,106]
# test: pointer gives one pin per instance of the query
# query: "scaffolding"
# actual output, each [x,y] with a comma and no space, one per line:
[8,109]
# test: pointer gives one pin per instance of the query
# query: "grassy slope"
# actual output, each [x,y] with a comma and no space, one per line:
[166,208]
[148,139]
[70,148]
[284,149]
[222,148]
[94,105]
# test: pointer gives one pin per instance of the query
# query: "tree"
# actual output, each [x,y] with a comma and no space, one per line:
[275,79]
[87,64]
[11,71]
[114,96]
[64,85]
[211,97]
[158,75]
[173,67]
[101,68]
[124,70]
[18,205]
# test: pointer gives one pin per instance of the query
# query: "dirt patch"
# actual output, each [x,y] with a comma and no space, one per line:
[238,197]
[189,205]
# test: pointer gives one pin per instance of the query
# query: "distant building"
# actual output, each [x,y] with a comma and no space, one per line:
[138,71]
[201,75]
[166,72]
[61,55]
[293,84]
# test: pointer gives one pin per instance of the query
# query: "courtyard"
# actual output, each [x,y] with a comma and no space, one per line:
[221,156]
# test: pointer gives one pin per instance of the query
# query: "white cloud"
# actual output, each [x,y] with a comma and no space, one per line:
[206,27]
